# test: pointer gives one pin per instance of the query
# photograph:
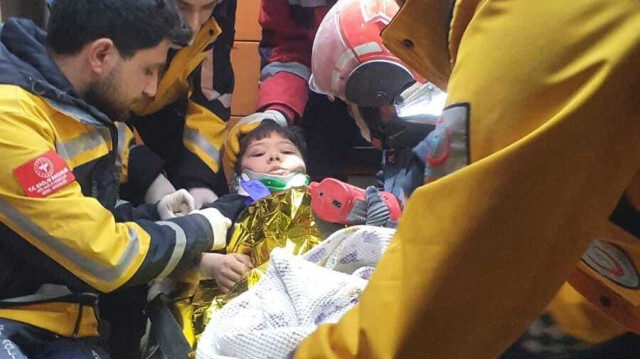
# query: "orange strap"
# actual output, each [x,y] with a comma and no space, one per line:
[606,300]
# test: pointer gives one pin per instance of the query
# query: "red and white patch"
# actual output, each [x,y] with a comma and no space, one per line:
[43,167]
[613,263]
[43,175]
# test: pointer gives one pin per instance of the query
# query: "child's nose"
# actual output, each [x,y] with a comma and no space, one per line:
[274,157]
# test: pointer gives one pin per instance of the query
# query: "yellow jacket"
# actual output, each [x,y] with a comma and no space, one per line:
[186,122]
[64,240]
[537,146]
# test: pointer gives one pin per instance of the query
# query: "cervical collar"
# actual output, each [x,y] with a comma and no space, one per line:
[274,183]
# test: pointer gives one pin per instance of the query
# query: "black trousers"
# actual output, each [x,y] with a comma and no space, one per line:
[123,321]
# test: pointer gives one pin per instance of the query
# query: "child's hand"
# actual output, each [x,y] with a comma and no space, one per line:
[226,269]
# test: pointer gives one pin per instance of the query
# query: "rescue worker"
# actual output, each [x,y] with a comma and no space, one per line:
[533,162]
[185,123]
[288,31]
[294,45]
[174,138]
[140,170]
[570,323]
[390,103]
[64,240]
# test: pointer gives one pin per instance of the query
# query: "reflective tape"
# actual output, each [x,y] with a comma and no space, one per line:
[104,273]
[46,292]
[84,142]
[178,249]
[205,146]
[367,48]
[295,68]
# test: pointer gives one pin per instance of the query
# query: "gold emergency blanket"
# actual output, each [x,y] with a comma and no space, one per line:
[282,220]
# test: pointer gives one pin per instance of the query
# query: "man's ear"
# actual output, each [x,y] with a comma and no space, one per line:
[103,56]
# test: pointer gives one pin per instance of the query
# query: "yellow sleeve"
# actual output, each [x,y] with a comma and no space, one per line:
[76,232]
[551,89]
[204,134]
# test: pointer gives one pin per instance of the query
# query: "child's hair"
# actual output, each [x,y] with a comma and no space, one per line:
[264,130]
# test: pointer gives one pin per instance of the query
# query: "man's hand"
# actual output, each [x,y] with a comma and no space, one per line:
[202,195]
[176,204]
[225,269]
[160,187]
[244,126]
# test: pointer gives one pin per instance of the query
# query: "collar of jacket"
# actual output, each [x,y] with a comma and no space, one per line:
[221,11]
[174,83]
[24,62]
[426,33]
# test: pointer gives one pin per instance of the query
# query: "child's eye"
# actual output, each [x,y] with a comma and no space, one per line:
[287,152]
[256,154]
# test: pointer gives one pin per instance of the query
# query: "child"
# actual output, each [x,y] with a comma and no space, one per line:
[272,155]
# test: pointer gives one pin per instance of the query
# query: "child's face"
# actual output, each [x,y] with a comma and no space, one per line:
[274,155]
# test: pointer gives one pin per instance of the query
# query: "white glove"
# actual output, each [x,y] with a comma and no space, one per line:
[176,204]
[160,187]
[219,225]
[274,115]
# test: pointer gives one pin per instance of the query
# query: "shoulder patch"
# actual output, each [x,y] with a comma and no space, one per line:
[612,263]
[43,175]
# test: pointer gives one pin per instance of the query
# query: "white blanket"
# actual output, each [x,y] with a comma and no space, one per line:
[295,296]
